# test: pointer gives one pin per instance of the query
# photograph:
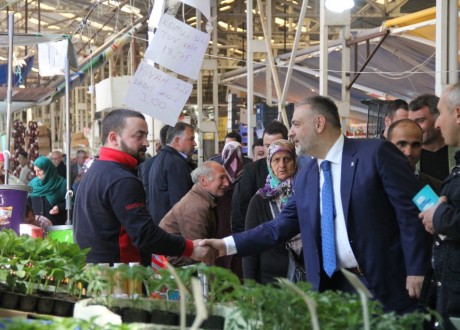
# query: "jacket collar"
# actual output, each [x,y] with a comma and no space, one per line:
[118,156]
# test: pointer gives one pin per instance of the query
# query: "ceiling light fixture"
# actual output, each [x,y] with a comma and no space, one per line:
[339,6]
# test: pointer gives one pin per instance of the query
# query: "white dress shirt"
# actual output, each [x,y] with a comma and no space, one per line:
[345,256]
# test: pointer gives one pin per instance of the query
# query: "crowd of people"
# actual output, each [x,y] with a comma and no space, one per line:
[309,203]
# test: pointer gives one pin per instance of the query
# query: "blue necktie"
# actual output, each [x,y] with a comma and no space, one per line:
[327,221]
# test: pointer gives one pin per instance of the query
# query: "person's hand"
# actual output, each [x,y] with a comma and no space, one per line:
[217,244]
[427,216]
[54,210]
[42,221]
[205,254]
[414,285]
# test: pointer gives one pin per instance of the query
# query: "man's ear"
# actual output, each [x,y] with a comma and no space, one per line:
[387,121]
[320,123]
[457,115]
[112,139]
[203,181]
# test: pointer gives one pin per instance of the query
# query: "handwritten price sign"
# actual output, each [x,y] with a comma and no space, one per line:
[157,94]
[178,47]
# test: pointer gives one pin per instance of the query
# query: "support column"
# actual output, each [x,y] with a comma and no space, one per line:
[446,44]
[199,97]
[250,76]
[215,78]
[328,18]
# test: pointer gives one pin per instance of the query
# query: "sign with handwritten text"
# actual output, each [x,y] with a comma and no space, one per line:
[178,47]
[157,94]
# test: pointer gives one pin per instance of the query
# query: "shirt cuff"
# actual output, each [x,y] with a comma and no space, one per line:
[230,245]
[188,248]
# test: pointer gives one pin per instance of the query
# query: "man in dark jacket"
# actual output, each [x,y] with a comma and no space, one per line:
[169,176]
[143,170]
[443,219]
[407,135]
[110,216]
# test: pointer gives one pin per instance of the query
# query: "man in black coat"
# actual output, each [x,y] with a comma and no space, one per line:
[143,170]
[169,176]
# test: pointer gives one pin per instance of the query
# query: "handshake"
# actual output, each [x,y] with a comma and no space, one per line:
[207,250]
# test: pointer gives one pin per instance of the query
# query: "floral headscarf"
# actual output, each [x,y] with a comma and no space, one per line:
[274,187]
[232,159]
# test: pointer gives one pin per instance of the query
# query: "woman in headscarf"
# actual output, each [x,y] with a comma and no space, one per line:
[232,161]
[265,205]
[48,191]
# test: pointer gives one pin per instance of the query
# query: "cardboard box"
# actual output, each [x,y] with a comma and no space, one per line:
[43,141]
[43,130]
[77,136]
[82,143]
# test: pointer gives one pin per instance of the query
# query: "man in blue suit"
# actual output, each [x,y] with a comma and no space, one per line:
[377,234]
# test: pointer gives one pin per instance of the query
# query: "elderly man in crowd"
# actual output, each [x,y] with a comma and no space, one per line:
[195,215]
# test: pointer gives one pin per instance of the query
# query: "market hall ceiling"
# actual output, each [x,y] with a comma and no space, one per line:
[90,23]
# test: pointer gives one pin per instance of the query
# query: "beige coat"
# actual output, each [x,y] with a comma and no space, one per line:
[193,217]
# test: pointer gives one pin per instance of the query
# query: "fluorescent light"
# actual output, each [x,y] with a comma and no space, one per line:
[223,25]
[126,8]
[67,15]
[224,8]
[339,6]
[36,21]
[44,6]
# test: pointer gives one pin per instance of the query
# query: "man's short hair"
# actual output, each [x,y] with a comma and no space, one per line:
[394,106]
[324,106]
[23,154]
[177,130]
[163,134]
[452,97]
[204,169]
[234,135]
[257,143]
[425,100]
[114,121]
[276,127]
[81,151]
[403,122]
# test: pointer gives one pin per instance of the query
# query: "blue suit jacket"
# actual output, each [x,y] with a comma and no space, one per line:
[384,231]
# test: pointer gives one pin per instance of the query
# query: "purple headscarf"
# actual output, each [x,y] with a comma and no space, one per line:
[274,187]
[232,159]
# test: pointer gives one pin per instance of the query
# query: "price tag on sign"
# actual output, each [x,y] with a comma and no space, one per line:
[178,47]
[157,94]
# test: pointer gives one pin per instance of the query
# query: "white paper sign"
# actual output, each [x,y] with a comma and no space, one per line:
[156,13]
[178,47]
[201,5]
[157,94]
[52,57]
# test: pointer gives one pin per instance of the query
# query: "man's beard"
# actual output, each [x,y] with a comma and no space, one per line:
[300,150]
[135,154]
